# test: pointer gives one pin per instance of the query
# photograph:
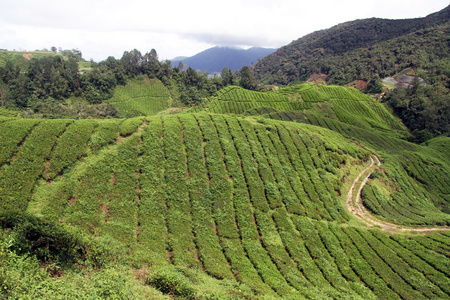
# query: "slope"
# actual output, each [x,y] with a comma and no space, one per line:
[310,54]
[304,101]
[141,96]
[257,202]
[366,122]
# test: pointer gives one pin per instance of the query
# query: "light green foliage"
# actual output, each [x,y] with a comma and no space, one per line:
[70,147]
[306,103]
[129,126]
[152,232]
[210,249]
[172,282]
[211,206]
[12,134]
[18,178]
[141,96]
[7,113]
[105,133]
[179,217]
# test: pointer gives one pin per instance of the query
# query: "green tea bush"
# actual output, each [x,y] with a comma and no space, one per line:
[53,244]
[47,242]
[129,126]
[170,281]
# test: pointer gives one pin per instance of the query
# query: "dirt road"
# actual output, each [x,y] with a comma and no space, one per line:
[356,207]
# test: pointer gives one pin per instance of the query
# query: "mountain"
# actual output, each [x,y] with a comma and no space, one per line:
[305,56]
[216,58]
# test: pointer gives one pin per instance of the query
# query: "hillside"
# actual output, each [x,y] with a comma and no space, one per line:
[141,96]
[341,104]
[21,58]
[216,58]
[308,191]
[311,53]
[259,205]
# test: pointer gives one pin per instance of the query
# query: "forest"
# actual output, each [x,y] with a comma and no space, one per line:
[45,82]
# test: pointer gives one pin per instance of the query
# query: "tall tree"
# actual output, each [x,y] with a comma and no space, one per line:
[247,78]
[132,62]
[227,76]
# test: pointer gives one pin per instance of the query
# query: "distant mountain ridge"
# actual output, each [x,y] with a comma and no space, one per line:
[298,60]
[216,58]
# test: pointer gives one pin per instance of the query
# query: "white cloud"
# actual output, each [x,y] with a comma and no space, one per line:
[101,28]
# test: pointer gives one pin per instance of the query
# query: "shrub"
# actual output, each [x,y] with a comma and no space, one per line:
[170,281]
[51,243]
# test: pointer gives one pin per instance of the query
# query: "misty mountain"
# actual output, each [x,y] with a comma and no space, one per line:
[216,58]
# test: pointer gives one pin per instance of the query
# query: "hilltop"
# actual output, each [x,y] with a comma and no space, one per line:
[313,52]
[21,58]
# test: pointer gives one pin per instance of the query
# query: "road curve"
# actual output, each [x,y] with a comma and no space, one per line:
[356,207]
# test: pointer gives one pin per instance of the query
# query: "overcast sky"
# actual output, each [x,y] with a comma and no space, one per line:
[102,28]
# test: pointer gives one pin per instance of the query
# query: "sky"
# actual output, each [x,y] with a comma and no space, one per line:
[102,28]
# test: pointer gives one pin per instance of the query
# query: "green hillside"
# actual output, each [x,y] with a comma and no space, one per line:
[21,58]
[360,49]
[308,103]
[141,96]
[217,206]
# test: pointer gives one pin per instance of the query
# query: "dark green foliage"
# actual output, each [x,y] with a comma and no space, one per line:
[425,110]
[49,243]
[358,49]
[247,80]
[374,86]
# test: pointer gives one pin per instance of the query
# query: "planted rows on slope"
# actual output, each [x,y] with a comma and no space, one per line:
[343,104]
[141,97]
[246,201]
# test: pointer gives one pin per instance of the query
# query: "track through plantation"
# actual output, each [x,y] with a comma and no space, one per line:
[356,207]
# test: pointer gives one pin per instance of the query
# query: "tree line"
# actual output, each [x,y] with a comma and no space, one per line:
[53,79]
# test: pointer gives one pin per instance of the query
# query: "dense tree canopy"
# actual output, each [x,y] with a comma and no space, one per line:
[425,110]
[53,79]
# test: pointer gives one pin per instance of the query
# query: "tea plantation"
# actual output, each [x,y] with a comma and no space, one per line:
[215,205]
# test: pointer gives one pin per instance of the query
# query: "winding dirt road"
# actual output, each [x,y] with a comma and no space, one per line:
[356,207]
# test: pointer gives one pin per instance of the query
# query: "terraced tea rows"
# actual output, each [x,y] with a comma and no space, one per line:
[346,105]
[258,203]
[141,97]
